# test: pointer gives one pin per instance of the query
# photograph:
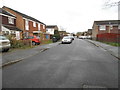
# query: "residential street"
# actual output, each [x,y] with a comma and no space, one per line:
[77,65]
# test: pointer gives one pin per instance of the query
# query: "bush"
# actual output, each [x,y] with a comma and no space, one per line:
[19,43]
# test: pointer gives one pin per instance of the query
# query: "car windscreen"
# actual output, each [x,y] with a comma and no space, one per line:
[66,38]
[30,37]
[3,38]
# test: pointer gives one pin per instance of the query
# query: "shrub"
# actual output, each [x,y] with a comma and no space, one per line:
[19,43]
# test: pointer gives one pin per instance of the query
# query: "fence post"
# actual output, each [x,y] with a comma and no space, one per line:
[30,43]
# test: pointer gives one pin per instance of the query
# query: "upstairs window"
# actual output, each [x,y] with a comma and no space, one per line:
[111,27]
[38,26]
[119,27]
[102,27]
[34,24]
[10,20]
[43,26]
[26,24]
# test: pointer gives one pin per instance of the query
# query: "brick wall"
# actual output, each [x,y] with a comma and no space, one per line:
[19,19]
[6,22]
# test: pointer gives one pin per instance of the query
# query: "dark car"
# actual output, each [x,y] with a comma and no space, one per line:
[35,40]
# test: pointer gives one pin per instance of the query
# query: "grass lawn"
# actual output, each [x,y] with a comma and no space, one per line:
[46,42]
[113,44]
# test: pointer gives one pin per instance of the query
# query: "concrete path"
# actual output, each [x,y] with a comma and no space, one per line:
[111,49]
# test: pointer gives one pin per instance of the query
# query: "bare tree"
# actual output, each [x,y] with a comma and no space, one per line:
[110,3]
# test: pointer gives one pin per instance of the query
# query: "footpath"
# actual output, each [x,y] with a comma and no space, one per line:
[11,57]
[115,51]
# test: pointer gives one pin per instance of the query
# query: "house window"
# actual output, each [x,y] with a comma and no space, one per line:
[26,24]
[43,26]
[38,26]
[34,24]
[102,27]
[10,20]
[118,26]
[111,27]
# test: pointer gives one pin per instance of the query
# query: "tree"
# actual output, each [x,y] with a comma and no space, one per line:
[56,34]
[110,3]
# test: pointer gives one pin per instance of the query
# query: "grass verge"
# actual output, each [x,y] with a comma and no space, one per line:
[46,42]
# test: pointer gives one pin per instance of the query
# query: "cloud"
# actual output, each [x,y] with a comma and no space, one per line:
[74,15]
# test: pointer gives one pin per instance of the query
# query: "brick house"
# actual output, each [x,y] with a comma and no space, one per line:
[29,25]
[108,30]
[8,25]
[51,29]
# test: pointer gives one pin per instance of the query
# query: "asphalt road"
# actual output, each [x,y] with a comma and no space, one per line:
[76,65]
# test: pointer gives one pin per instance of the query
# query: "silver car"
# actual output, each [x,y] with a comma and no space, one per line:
[4,43]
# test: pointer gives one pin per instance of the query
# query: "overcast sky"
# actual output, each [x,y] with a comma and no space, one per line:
[72,15]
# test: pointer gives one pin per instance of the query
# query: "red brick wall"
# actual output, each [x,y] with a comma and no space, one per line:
[31,26]
[5,21]
[42,29]
[19,19]
[114,30]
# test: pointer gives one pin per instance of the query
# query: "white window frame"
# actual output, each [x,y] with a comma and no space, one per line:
[43,26]
[111,27]
[102,27]
[34,24]
[38,26]
[119,27]
[10,20]
[27,24]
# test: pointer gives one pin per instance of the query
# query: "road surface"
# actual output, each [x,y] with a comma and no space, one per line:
[76,65]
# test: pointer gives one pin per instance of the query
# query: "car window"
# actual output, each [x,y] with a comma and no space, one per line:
[66,38]
[3,38]
[30,37]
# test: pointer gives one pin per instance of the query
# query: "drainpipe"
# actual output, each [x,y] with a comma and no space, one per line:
[109,27]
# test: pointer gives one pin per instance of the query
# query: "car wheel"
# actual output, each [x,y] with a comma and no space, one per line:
[33,43]
[5,50]
[38,43]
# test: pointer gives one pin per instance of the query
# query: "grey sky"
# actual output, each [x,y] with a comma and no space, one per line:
[72,15]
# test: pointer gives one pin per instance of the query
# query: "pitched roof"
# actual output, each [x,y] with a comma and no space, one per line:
[2,11]
[11,27]
[24,15]
[107,22]
[51,26]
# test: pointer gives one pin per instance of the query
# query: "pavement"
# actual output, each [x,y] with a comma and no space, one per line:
[113,50]
[20,54]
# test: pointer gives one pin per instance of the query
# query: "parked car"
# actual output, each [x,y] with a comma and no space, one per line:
[4,43]
[71,37]
[35,40]
[54,39]
[89,37]
[82,37]
[66,39]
